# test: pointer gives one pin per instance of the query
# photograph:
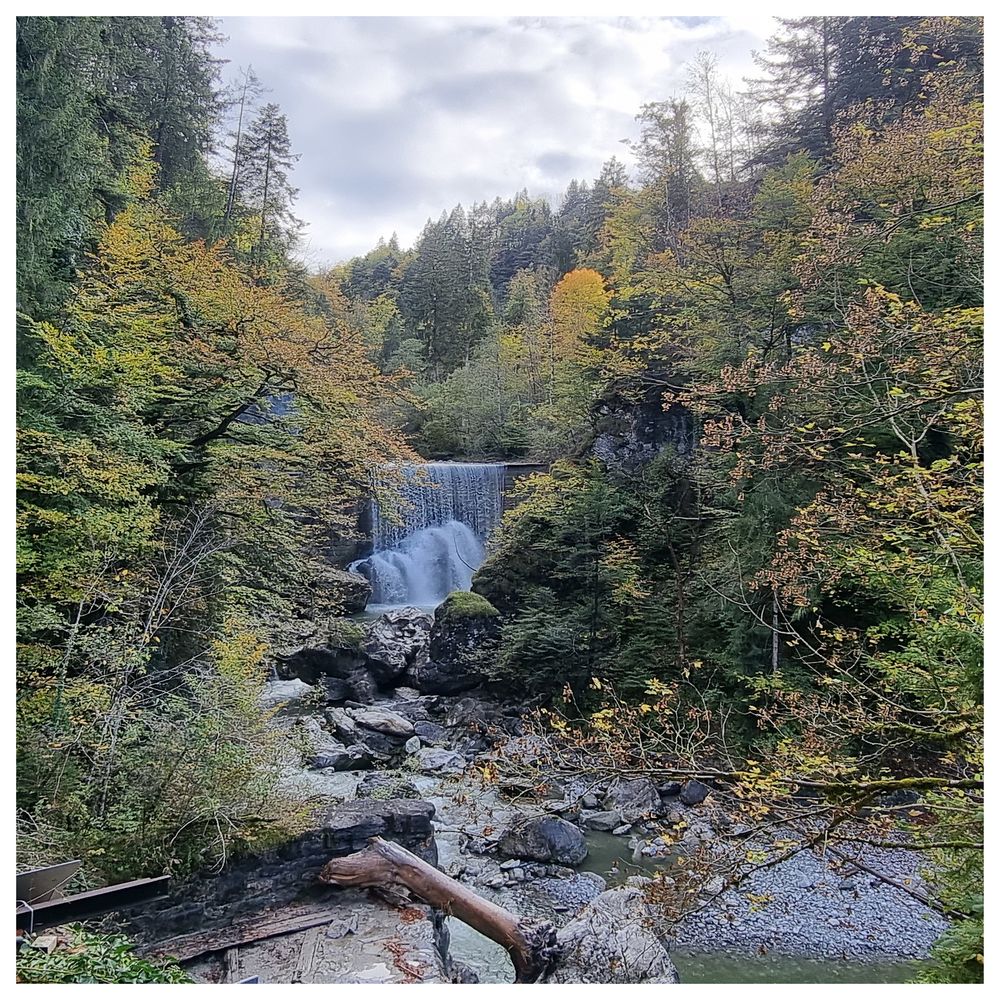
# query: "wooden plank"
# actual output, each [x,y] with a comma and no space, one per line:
[231,961]
[186,947]
[93,903]
[307,957]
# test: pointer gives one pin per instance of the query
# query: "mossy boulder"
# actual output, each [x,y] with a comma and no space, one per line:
[465,637]
[464,604]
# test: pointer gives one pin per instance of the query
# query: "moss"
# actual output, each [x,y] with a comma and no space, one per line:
[464,604]
[346,633]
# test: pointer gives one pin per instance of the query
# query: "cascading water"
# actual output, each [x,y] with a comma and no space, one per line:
[438,537]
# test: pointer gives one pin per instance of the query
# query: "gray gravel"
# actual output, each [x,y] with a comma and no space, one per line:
[819,913]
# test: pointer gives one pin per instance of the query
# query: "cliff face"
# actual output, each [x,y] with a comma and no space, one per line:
[629,433]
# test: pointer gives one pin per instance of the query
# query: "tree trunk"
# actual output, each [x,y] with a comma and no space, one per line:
[384,865]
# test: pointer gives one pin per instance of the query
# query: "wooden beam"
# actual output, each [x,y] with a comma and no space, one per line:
[387,866]
[93,903]
[186,947]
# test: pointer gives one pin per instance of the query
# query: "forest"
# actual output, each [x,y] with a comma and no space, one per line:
[749,370]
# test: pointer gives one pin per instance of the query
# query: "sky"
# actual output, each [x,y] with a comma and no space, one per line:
[400,118]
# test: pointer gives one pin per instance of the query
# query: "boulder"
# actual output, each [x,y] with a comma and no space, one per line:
[342,724]
[439,761]
[543,838]
[394,641]
[632,799]
[386,785]
[463,640]
[351,592]
[338,757]
[336,689]
[694,792]
[430,732]
[348,826]
[412,744]
[612,940]
[670,788]
[275,693]
[606,822]
[382,721]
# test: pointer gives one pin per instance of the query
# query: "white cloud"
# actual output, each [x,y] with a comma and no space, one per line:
[398,119]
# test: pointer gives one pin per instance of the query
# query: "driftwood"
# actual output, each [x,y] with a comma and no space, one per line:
[389,867]
[187,947]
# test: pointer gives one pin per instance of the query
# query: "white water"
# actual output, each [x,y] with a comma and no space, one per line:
[435,538]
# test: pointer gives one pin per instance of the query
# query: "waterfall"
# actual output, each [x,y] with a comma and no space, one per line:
[435,539]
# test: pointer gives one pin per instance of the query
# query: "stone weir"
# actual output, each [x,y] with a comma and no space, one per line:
[512,472]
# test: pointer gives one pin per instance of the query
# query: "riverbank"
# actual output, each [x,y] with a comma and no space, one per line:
[808,917]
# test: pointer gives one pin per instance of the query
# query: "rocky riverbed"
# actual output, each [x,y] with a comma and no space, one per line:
[417,766]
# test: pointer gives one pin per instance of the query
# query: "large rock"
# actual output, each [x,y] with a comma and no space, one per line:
[604,822]
[292,692]
[348,826]
[543,838]
[463,641]
[694,792]
[341,758]
[394,641]
[382,721]
[628,434]
[439,761]
[632,799]
[344,663]
[612,940]
[350,591]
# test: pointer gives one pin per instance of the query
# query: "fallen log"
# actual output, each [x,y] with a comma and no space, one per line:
[387,866]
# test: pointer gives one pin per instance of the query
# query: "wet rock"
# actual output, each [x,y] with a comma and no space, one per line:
[694,792]
[351,591]
[543,838]
[394,641]
[620,831]
[463,640]
[632,799]
[439,761]
[612,940]
[603,821]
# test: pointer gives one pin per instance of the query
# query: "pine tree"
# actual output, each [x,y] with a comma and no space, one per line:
[267,161]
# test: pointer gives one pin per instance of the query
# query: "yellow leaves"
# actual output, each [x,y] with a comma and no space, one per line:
[826,345]
[579,305]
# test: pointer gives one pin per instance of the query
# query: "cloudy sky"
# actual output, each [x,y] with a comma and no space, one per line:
[397,119]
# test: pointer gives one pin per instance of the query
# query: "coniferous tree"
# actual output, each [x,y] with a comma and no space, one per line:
[267,162]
